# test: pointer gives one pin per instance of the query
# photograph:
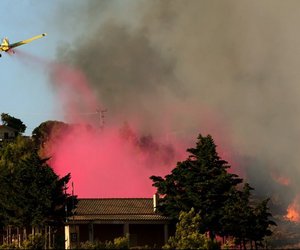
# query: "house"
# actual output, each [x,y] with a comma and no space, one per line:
[7,133]
[109,218]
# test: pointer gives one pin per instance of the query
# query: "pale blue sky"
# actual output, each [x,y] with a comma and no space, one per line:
[25,92]
[25,89]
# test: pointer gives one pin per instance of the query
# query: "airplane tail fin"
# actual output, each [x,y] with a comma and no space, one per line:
[5,44]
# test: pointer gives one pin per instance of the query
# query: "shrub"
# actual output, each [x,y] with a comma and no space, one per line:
[188,236]
[36,241]
[117,243]
[9,246]
[122,242]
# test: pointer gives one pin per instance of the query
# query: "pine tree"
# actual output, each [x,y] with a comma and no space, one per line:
[202,182]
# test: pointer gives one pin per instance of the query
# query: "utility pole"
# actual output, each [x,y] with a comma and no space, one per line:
[101,113]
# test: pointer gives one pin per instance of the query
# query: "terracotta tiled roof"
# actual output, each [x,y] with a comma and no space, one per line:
[122,209]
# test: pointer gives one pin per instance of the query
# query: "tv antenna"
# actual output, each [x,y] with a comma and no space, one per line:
[101,114]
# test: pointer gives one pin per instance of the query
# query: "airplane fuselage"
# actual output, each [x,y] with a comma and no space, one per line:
[8,47]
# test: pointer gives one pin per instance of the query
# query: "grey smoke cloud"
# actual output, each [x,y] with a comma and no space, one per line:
[166,63]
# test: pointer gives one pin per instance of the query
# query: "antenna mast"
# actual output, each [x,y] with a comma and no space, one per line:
[101,113]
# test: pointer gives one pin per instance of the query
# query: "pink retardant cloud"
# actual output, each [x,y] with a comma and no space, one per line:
[103,164]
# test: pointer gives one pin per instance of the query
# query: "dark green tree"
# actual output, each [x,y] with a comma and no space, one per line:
[11,154]
[46,135]
[42,133]
[202,182]
[31,194]
[13,122]
[263,222]
[224,206]
[245,219]
[238,216]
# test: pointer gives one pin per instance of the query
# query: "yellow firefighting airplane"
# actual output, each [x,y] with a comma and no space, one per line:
[8,47]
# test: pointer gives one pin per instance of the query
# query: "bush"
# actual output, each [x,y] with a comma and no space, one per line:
[122,242]
[9,246]
[117,243]
[36,241]
[188,236]
[92,245]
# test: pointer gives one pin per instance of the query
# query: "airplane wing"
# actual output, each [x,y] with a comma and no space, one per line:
[13,45]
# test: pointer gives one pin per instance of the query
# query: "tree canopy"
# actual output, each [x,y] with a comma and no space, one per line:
[223,204]
[45,132]
[31,194]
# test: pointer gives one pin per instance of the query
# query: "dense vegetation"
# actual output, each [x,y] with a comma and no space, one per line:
[221,200]
[33,198]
